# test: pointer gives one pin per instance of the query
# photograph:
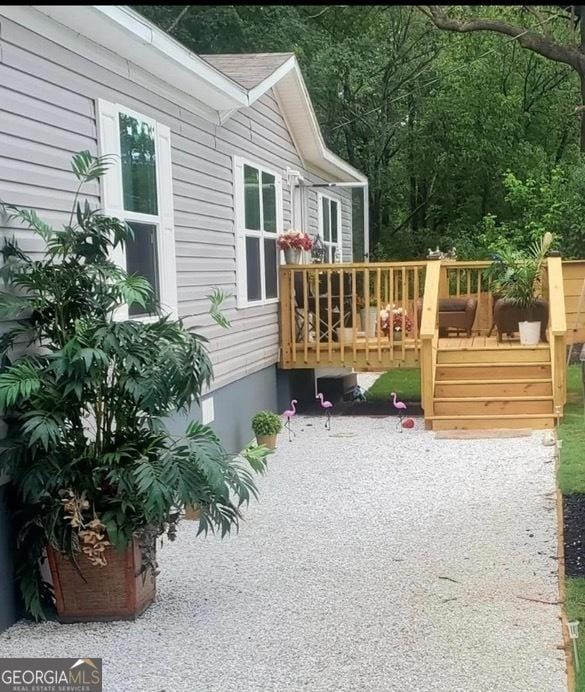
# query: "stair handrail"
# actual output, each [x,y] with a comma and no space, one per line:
[428,335]
[557,330]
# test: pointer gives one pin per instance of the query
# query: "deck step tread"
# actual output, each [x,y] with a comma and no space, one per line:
[480,364]
[540,347]
[494,416]
[492,398]
[522,380]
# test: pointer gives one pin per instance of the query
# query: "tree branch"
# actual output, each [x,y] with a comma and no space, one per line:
[177,19]
[526,37]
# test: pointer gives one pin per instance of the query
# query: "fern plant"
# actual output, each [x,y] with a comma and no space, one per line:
[85,397]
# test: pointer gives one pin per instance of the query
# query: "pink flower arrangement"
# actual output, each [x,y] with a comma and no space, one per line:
[297,240]
[391,317]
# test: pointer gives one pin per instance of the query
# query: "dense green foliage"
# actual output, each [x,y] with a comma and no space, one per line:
[465,138]
[89,457]
[516,275]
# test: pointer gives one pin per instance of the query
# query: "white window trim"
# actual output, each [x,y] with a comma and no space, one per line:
[339,244]
[113,204]
[241,233]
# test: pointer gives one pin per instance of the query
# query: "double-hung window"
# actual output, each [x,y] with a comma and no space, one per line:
[330,227]
[258,218]
[138,189]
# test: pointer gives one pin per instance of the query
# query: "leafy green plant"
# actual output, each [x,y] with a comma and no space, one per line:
[266,423]
[517,276]
[87,450]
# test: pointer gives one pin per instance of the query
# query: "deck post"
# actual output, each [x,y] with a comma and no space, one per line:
[557,330]
[428,330]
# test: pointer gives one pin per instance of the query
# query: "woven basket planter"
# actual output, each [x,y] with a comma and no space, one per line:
[116,591]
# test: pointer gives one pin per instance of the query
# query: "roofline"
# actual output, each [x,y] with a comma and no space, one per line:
[181,60]
[163,42]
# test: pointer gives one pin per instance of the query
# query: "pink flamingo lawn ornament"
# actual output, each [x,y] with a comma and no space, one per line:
[400,406]
[326,406]
[288,415]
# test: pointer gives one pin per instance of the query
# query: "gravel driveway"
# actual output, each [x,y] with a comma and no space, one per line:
[376,560]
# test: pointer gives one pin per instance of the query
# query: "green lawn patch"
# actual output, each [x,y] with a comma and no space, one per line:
[575,609]
[404,381]
[571,479]
[572,432]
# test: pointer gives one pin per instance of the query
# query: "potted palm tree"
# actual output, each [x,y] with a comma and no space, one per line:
[96,477]
[517,278]
[266,426]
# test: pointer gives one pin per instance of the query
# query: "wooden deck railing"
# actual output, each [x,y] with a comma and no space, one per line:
[429,335]
[330,314]
[467,279]
[557,330]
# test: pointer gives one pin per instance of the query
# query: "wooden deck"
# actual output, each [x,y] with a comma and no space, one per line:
[474,382]
[480,342]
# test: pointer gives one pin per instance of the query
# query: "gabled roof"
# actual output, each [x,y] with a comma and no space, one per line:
[222,84]
[247,69]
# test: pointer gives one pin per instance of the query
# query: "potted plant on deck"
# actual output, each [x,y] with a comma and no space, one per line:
[517,280]
[293,243]
[96,477]
[266,426]
[395,320]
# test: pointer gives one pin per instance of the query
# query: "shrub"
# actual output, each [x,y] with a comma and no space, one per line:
[266,423]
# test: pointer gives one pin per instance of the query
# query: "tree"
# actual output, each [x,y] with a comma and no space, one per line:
[435,122]
[534,34]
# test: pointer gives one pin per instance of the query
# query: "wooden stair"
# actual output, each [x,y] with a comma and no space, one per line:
[502,386]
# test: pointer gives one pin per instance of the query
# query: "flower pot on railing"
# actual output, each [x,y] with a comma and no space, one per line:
[292,255]
[292,243]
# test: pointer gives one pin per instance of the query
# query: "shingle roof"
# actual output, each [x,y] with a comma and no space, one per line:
[247,69]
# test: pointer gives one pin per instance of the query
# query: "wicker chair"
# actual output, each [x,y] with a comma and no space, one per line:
[454,313]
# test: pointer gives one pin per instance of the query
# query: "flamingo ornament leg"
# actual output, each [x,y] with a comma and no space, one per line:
[401,407]
[288,415]
[327,406]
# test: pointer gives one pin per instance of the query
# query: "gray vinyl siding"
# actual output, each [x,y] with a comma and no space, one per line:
[48,111]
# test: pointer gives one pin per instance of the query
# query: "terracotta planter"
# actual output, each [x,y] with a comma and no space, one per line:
[267,440]
[192,513]
[116,591]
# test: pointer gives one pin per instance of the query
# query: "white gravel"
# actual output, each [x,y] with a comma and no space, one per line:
[367,379]
[376,560]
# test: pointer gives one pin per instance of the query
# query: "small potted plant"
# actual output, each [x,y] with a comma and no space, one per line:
[266,426]
[293,242]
